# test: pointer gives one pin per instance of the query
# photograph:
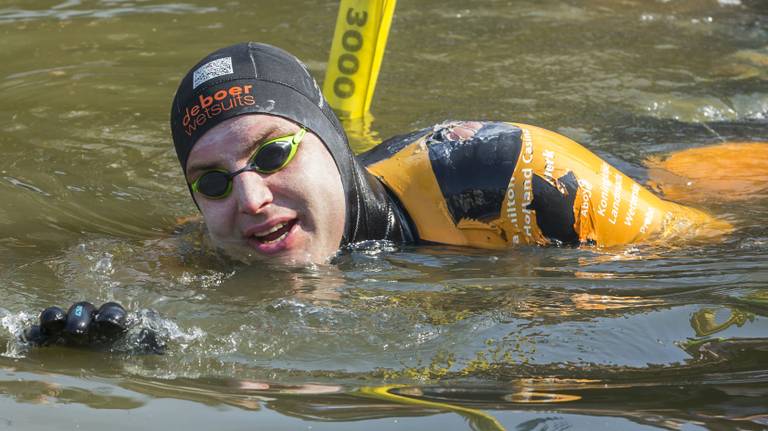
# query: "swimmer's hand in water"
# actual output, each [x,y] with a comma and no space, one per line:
[83,325]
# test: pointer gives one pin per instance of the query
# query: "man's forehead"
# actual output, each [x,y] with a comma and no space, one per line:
[244,131]
[247,127]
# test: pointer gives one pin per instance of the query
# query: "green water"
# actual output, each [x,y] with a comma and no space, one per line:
[640,337]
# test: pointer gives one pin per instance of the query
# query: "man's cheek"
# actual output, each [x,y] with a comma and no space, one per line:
[216,222]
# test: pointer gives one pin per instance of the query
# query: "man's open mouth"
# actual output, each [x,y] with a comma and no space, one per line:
[277,233]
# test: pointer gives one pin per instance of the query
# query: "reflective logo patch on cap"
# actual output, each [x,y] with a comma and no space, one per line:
[212,69]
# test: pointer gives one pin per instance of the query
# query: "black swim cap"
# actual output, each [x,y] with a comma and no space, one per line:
[244,79]
[250,78]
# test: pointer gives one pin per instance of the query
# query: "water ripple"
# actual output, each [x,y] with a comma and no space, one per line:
[65,13]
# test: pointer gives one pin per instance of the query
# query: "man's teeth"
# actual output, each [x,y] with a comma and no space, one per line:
[280,238]
[274,234]
[274,229]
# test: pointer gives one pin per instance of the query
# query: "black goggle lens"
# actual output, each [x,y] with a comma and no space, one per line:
[214,184]
[271,157]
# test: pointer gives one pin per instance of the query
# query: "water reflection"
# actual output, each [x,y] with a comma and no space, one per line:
[484,407]
[705,324]
[666,335]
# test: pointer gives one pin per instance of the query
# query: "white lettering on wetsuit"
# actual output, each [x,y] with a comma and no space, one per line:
[549,164]
[605,185]
[648,220]
[512,210]
[586,188]
[527,199]
[632,204]
[527,191]
[527,147]
[616,199]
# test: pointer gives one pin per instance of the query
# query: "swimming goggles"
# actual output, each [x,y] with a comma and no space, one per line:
[271,156]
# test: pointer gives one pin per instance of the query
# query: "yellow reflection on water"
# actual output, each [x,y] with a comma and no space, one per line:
[531,397]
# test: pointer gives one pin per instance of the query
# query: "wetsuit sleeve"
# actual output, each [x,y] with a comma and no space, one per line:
[495,185]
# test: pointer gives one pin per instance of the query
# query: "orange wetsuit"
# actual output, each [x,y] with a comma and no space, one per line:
[495,185]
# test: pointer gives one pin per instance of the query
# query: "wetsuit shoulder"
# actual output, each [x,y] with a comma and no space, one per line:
[389,147]
[450,178]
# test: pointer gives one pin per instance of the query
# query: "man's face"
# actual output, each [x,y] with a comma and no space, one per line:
[295,215]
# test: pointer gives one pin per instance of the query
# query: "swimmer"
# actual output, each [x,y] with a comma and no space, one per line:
[268,164]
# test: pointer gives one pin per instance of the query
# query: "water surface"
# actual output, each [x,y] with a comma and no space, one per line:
[643,337]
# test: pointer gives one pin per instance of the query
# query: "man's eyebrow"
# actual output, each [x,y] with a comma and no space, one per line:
[192,168]
[271,132]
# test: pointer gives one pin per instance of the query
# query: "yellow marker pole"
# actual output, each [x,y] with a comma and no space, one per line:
[362,27]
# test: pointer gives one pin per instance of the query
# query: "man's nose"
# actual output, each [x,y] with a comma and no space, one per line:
[251,192]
